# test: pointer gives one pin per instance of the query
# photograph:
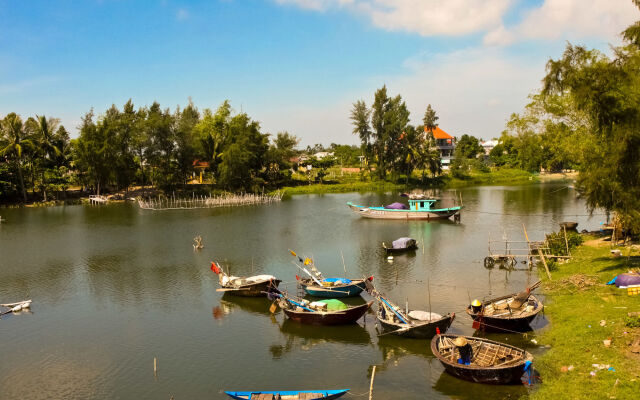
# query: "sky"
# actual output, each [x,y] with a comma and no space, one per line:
[294,65]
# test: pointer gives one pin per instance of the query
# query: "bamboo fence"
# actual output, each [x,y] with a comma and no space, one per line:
[195,202]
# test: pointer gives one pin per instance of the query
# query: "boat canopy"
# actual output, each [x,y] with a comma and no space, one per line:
[403,243]
[397,206]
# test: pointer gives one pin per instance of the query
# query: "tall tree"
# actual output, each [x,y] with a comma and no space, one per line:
[16,143]
[360,117]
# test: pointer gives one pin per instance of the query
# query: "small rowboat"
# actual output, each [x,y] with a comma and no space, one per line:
[510,313]
[304,312]
[400,245]
[570,226]
[334,287]
[252,286]
[491,362]
[14,307]
[414,324]
[288,394]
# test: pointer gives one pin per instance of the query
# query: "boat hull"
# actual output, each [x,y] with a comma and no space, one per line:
[342,317]
[490,375]
[392,250]
[407,215]
[487,323]
[354,289]
[324,394]
[425,330]
[258,289]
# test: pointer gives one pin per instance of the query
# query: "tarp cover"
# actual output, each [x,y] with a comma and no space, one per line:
[397,206]
[424,315]
[334,304]
[403,243]
[341,281]
[624,280]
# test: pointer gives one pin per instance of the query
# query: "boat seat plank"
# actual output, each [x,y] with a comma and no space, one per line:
[310,396]
[262,396]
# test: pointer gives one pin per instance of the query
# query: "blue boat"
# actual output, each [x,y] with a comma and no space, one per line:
[288,394]
[333,287]
[419,208]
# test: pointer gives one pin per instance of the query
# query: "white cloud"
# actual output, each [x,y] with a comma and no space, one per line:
[473,91]
[553,19]
[572,19]
[182,14]
[425,17]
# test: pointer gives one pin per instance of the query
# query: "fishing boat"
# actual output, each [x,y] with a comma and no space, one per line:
[15,307]
[510,313]
[568,225]
[412,324]
[487,361]
[288,394]
[333,287]
[323,312]
[252,286]
[315,284]
[419,208]
[400,245]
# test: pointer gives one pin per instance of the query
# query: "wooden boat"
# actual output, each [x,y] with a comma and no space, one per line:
[491,362]
[419,208]
[318,286]
[288,394]
[414,324]
[252,286]
[510,313]
[570,226]
[400,245]
[307,313]
[333,287]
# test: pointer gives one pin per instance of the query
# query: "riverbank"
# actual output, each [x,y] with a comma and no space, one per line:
[583,312]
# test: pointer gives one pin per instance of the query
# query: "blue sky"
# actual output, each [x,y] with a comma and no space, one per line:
[294,65]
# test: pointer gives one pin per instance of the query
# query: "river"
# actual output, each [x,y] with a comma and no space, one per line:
[115,286]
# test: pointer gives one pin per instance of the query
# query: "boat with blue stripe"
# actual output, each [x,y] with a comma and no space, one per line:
[419,208]
[288,394]
[334,287]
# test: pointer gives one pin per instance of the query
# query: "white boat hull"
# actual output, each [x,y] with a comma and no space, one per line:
[378,213]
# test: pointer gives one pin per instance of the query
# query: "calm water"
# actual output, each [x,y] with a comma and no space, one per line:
[115,286]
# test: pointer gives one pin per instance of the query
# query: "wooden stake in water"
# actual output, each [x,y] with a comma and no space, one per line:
[373,375]
[343,264]
[155,365]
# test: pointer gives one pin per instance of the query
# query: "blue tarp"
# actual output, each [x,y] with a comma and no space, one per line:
[397,206]
[403,243]
[343,281]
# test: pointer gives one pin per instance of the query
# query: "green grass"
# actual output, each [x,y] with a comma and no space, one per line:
[505,176]
[317,188]
[575,336]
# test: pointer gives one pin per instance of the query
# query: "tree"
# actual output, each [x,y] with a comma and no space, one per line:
[468,147]
[93,151]
[430,119]
[212,131]
[279,155]
[360,117]
[16,143]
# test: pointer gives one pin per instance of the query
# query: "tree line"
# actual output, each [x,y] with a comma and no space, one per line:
[144,146]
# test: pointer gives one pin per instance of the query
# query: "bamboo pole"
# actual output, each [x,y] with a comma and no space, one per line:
[373,375]
[566,241]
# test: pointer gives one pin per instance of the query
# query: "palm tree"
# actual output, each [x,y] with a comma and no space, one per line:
[44,132]
[17,141]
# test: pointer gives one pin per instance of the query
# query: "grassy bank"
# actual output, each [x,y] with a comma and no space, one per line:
[340,187]
[497,177]
[578,299]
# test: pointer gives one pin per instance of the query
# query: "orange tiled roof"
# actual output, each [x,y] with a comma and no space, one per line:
[439,133]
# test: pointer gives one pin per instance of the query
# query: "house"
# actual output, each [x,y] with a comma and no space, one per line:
[322,154]
[200,166]
[445,144]
[489,145]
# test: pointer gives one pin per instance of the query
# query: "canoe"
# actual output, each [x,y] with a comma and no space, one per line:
[570,226]
[302,311]
[288,394]
[503,315]
[400,245]
[414,328]
[251,286]
[491,362]
[417,210]
[340,287]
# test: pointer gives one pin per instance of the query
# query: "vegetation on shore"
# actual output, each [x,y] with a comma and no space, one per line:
[583,312]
